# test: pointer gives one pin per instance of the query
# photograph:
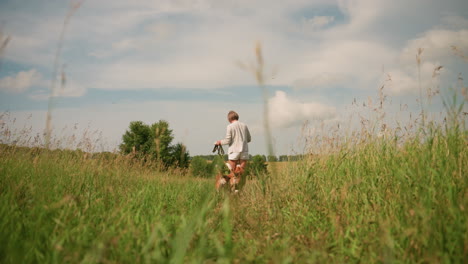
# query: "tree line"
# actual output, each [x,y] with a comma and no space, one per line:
[154,143]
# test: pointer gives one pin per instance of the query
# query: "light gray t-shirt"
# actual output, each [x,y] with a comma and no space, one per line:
[237,137]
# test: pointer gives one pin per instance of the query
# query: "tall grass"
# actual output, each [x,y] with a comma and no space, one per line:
[64,207]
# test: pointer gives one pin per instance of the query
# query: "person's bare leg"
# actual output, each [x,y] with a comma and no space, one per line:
[243,164]
[240,173]
[233,164]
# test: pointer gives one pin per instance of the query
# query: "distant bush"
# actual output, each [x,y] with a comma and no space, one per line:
[257,166]
[272,158]
[199,167]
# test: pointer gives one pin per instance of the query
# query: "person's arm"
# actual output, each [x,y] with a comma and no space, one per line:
[228,139]
[249,138]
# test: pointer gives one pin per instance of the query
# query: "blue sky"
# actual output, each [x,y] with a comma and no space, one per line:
[178,60]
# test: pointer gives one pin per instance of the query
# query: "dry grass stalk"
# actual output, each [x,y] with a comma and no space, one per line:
[4,40]
[159,132]
[418,61]
[74,6]
[258,70]
[459,53]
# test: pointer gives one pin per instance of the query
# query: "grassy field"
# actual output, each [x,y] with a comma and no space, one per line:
[371,202]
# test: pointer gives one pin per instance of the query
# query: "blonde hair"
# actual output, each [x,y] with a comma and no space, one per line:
[232,116]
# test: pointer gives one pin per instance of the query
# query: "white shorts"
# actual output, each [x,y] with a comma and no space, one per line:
[238,156]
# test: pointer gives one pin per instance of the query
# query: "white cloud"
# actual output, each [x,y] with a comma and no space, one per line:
[436,45]
[317,22]
[196,72]
[361,13]
[185,44]
[200,53]
[21,82]
[406,82]
[70,89]
[456,22]
[161,31]
[155,34]
[320,80]
[351,64]
[285,112]
[355,64]
[32,41]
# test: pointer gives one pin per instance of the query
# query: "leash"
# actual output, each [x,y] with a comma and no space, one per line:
[218,148]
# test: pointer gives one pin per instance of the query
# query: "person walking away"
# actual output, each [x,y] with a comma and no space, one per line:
[237,137]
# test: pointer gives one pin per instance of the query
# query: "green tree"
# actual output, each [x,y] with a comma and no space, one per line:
[136,139]
[180,156]
[162,137]
[154,142]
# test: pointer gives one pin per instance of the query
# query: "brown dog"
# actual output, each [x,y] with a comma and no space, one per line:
[232,178]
